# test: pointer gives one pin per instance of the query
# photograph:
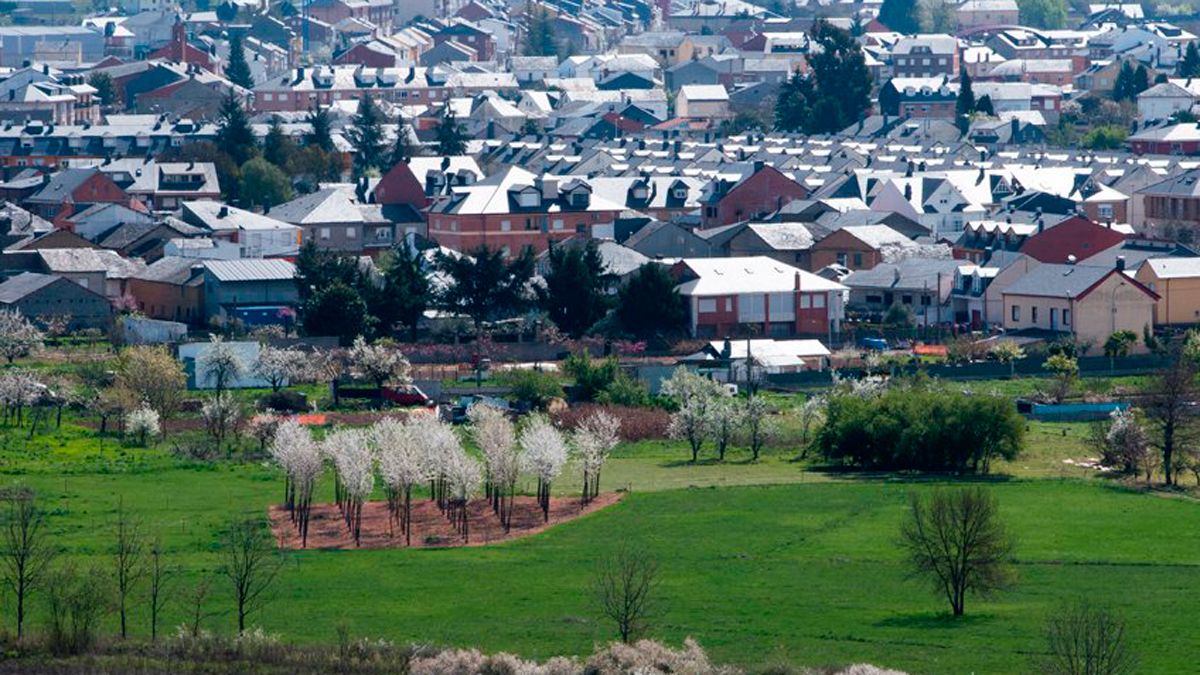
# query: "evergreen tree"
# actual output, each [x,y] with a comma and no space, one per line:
[902,16]
[238,71]
[321,132]
[648,305]
[575,297]
[540,39]
[965,105]
[278,147]
[106,90]
[366,134]
[337,309]
[317,268]
[835,94]
[483,286]
[1141,81]
[404,149]
[1045,14]
[451,136]
[983,106]
[1190,65]
[406,291]
[234,135]
[1123,88]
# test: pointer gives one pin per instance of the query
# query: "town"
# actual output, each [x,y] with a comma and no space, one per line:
[599,336]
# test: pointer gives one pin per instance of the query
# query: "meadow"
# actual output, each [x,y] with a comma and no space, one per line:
[761,562]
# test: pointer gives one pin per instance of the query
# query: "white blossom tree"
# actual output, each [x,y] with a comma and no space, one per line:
[19,389]
[222,414]
[496,438]
[280,366]
[757,423]
[378,363]
[142,423]
[402,464]
[440,444]
[594,438]
[723,416]
[221,362]
[355,466]
[695,395]
[463,478]
[300,457]
[544,454]
[18,336]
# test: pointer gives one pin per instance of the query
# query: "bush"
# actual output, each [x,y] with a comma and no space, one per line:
[637,424]
[530,386]
[914,429]
[284,402]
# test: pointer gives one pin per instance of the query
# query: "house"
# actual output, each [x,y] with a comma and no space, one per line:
[982,13]
[1074,239]
[668,240]
[247,234]
[857,247]
[1173,139]
[919,286]
[171,289]
[514,209]
[932,55]
[709,101]
[730,296]
[765,190]
[45,295]
[1163,100]
[255,292]
[789,243]
[73,190]
[977,299]
[1174,201]
[1089,303]
[98,270]
[726,360]
[1177,283]
[923,97]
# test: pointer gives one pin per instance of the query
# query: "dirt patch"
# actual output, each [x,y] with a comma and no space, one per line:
[431,528]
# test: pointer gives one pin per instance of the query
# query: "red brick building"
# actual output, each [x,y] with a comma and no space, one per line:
[73,190]
[764,191]
[1077,236]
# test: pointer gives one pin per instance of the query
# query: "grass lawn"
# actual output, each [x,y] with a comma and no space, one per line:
[806,571]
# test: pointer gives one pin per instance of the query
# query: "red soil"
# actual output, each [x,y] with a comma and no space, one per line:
[431,528]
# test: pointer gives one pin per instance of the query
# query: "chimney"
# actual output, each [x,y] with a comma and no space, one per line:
[797,281]
[1120,263]
[758,165]
[223,212]
[549,189]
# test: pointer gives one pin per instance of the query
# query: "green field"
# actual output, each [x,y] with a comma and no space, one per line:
[782,561]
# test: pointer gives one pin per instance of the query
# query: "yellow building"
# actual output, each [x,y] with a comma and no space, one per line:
[1177,283]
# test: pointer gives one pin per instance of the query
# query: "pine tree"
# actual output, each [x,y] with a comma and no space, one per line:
[965,105]
[575,296]
[234,135]
[277,146]
[1141,81]
[366,134]
[1190,65]
[837,91]
[540,39]
[404,149]
[406,290]
[238,71]
[321,133]
[902,16]
[106,90]
[451,137]
[1123,87]
[983,106]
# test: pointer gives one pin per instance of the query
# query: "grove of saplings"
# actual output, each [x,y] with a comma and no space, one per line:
[423,450]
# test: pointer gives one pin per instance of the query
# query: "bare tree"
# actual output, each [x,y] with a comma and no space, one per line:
[129,561]
[1087,640]
[26,554]
[251,565]
[196,611]
[1169,408]
[623,587]
[956,540]
[160,578]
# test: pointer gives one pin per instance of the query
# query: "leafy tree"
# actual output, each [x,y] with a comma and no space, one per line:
[1107,137]
[406,291]
[531,387]
[153,376]
[451,136]
[336,309]
[1119,343]
[1044,14]
[592,377]
[1065,370]
[1008,351]
[278,147]
[106,90]
[321,129]
[836,92]
[902,16]
[238,71]
[983,106]
[264,184]
[366,134]
[311,165]
[1190,65]
[18,335]
[234,135]
[938,16]
[575,296]
[956,540]
[483,286]
[965,104]
[648,304]
[227,11]
[540,39]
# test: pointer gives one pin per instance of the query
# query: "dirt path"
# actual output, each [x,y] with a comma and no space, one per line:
[431,528]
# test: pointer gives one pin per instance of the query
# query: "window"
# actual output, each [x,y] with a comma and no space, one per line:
[708,305]
[1066,317]
[841,258]
[1105,210]
[268,96]
[858,260]
[1053,317]
[710,212]
[283,97]
[728,304]
[1016,312]
[324,233]
[506,226]
[805,302]
[351,233]
[558,224]
[1033,314]
[818,301]
[906,299]
[926,300]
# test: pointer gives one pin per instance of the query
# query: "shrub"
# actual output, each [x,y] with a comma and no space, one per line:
[530,386]
[637,424]
[913,429]
[285,402]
